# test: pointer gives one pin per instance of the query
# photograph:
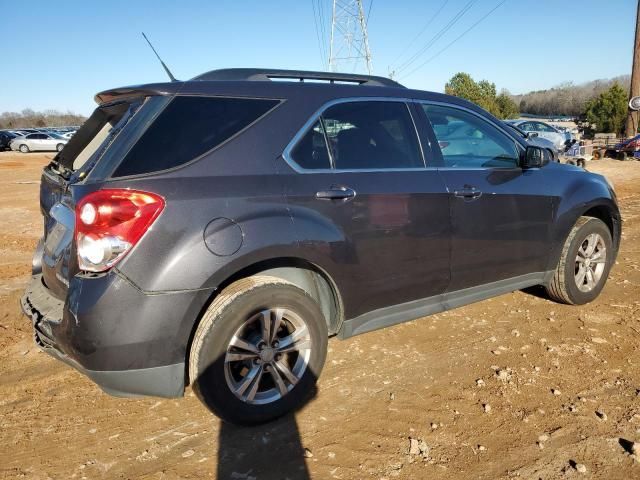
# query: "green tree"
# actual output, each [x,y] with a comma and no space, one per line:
[508,108]
[483,94]
[608,111]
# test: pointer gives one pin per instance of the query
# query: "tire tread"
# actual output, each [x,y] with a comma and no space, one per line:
[557,288]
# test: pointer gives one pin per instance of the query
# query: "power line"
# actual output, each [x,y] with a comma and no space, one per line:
[435,15]
[455,39]
[315,21]
[437,36]
[323,30]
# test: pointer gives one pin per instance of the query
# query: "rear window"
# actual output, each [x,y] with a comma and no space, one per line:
[189,127]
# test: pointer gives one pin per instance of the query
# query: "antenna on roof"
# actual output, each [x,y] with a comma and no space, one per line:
[166,69]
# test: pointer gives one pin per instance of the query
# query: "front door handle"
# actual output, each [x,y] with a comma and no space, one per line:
[336,192]
[468,193]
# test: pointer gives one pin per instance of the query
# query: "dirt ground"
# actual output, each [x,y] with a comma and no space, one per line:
[512,387]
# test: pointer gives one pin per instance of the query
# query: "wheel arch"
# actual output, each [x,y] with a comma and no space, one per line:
[304,274]
[603,209]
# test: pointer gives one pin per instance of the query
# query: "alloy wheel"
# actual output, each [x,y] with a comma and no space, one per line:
[591,260]
[267,356]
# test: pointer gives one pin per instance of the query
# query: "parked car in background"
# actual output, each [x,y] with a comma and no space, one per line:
[215,232]
[34,142]
[627,148]
[67,135]
[544,130]
[534,139]
[5,139]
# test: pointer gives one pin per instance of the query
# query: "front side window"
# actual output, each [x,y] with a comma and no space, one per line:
[361,135]
[467,141]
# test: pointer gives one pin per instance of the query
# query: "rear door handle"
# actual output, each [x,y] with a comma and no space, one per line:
[468,193]
[336,192]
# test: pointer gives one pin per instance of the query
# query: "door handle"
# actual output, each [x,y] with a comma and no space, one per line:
[468,193]
[336,192]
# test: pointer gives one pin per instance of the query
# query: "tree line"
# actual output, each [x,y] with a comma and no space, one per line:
[602,104]
[567,99]
[28,118]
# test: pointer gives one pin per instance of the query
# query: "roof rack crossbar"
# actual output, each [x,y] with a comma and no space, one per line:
[263,74]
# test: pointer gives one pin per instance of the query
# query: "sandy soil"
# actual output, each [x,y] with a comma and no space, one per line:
[516,386]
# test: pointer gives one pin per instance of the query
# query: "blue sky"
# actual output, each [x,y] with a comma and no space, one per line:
[66,51]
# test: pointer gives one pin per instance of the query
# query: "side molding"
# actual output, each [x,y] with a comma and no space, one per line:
[385,317]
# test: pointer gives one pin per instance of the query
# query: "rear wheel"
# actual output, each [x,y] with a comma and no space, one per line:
[622,156]
[59,147]
[23,148]
[584,263]
[258,350]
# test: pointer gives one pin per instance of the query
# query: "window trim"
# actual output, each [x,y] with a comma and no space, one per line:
[317,116]
[520,148]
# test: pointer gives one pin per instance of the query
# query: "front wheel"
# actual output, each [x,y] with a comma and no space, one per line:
[258,350]
[584,264]
[59,147]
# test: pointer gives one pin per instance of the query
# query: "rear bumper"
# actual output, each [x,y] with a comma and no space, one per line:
[129,342]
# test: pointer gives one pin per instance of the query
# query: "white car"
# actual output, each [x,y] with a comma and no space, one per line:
[34,142]
[544,130]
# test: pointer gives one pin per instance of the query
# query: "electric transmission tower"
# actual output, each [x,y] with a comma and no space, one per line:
[349,48]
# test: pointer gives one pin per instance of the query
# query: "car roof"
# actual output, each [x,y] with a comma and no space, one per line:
[280,84]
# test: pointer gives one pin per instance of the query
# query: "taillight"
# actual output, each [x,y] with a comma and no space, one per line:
[110,222]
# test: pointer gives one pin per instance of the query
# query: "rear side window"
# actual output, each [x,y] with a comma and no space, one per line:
[363,135]
[189,127]
[311,151]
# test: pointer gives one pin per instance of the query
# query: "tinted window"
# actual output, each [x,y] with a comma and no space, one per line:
[311,151]
[187,128]
[33,136]
[372,135]
[467,141]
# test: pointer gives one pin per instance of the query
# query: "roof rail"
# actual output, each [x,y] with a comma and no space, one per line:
[266,74]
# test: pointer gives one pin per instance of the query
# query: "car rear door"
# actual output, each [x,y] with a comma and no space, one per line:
[364,206]
[500,213]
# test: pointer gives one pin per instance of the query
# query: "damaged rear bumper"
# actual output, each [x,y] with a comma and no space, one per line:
[129,342]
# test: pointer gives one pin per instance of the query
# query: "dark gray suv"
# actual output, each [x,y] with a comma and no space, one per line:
[215,232]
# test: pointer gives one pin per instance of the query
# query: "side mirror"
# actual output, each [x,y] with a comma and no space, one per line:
[532,134]
[534,157]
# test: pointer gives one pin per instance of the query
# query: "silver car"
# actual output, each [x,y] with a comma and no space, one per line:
[544,130]
[34,142]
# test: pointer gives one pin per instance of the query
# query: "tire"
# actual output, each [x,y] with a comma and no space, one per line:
[597,154]
[23,148]
[237,313]
[566,286]
[59,147]
[622,156]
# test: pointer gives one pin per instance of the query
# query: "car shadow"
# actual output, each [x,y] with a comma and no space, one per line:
[537,291]
[270,451]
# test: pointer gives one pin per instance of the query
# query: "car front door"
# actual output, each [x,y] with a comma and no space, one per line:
[365,206]
[32,141]
[39,141]
[500,213]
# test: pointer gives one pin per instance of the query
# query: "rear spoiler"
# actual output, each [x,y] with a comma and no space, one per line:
[124,93]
